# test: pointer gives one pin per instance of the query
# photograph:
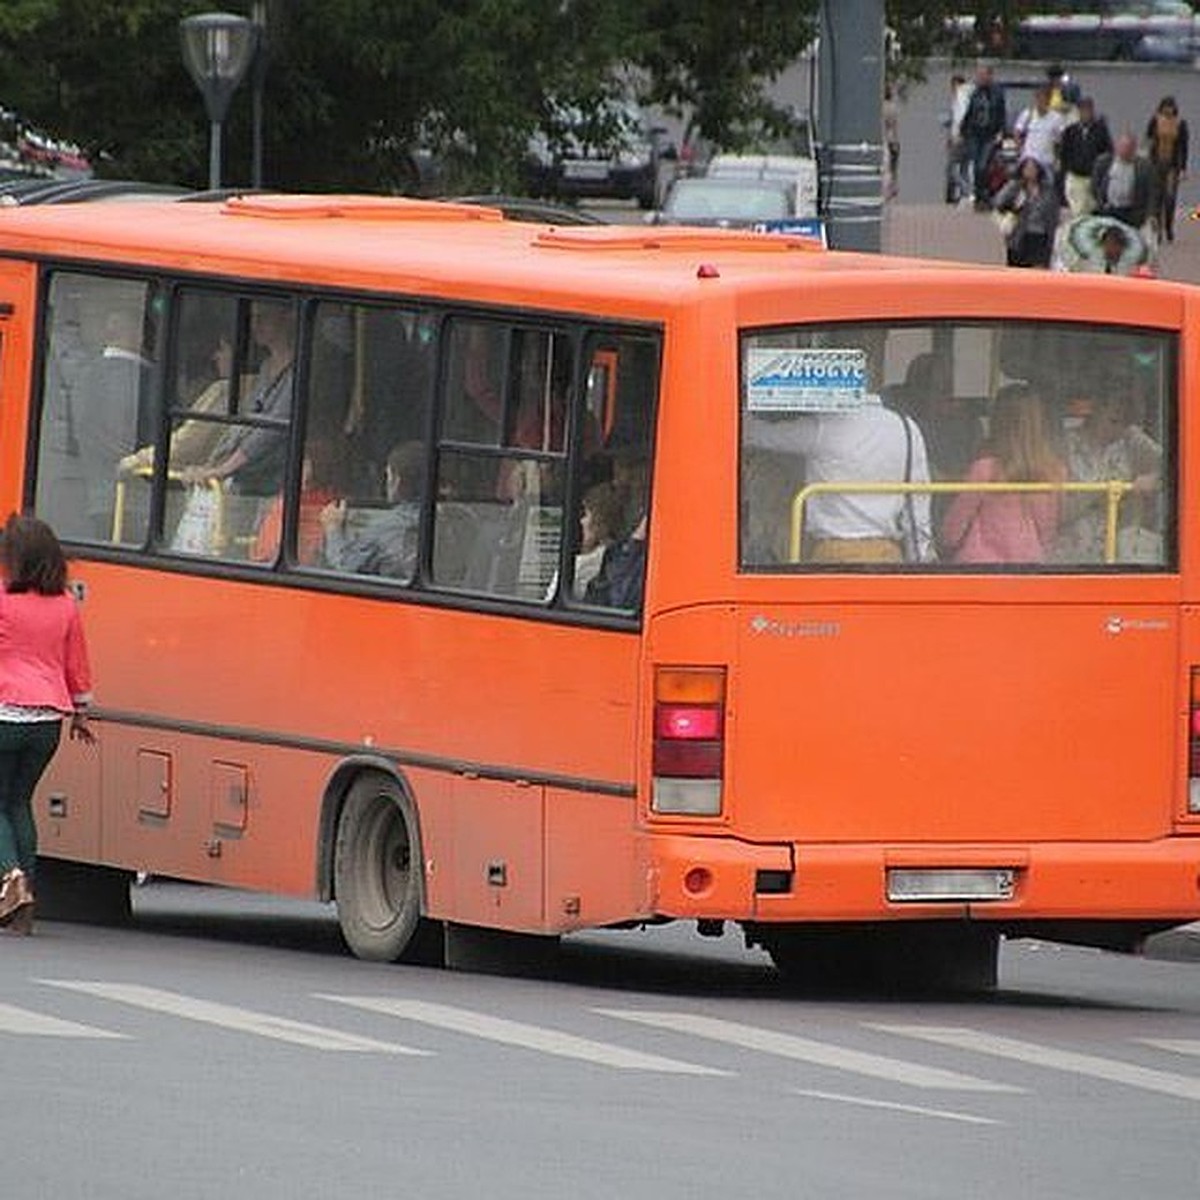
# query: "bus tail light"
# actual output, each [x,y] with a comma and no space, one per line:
[1194,744]
[689,740]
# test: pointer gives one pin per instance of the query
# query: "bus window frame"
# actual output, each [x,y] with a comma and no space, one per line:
[284,571]
[1171,491]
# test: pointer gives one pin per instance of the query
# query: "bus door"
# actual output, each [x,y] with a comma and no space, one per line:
[17,289]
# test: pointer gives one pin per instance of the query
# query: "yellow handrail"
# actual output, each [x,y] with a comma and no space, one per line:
[217,486]
[1114,489]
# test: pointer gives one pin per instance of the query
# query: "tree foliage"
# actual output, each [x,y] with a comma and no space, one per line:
[351,86]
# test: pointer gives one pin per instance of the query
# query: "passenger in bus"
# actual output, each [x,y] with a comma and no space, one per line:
[318,488]
[112,413]
[622,574]
[1008,527]
[193,442]
[251,456]
[387,545]
[951,428]
[599,527]
[1110,445]
[867,444]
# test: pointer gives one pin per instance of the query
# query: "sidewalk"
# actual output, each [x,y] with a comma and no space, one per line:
[961,234]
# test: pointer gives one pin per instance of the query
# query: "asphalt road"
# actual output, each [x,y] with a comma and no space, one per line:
[226,1046]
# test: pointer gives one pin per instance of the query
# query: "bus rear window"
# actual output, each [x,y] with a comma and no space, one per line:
[957,446]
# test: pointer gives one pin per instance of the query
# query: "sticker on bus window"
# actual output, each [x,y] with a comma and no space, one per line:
[812,380]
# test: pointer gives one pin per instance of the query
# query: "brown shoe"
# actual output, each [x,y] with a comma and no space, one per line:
[15,894]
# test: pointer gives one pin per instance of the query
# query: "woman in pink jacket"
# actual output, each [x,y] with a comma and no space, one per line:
[1008,527]
[44,677]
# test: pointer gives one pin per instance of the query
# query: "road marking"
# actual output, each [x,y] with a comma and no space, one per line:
[915,1109]
[1174,1045]
[26,1023]
[1112,1070]
[514,1033]
[786,1045]
[227,1016]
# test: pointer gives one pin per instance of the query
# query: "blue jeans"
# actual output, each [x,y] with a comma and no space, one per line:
[26,748]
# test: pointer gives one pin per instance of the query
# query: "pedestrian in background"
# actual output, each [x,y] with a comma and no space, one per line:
[1083,142]
[1027,207]
[44,678]
[1039,129]
[1167,139]
[958,161]
[983,124]
[1123,183]
[891,142]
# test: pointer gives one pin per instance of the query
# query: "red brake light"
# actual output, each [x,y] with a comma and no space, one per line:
[687,721]
[689,740]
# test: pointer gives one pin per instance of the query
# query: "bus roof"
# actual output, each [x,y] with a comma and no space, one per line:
[447,250]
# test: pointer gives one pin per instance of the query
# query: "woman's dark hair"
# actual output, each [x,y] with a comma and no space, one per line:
[33,559]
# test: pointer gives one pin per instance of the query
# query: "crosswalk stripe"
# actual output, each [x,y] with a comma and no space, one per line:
[228,1016]
[824,1054]
[26,1023]
[1189,1046]
[1112,1070]
[514,1033]
[913,1109]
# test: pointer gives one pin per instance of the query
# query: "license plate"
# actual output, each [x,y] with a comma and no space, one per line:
[583,169]
[922,885]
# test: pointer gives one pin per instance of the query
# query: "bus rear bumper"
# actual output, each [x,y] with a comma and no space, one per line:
[722,878]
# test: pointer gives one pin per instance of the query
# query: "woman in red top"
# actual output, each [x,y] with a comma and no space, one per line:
[1008,527]
[44,677]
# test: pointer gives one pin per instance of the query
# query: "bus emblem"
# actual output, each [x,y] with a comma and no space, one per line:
[761,624]
[1116,624]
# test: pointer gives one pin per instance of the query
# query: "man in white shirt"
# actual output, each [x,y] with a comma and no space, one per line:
[1039,129]
[864,444]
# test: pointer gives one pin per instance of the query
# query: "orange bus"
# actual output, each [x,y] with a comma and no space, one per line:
[479,576]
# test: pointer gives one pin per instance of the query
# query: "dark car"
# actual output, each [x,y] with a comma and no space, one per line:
[609,152]
[521,208]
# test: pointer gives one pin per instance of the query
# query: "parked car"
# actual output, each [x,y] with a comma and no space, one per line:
[796,173]
[727,203]
[610,152]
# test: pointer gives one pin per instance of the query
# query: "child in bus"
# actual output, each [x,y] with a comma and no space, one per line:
[388,544]
[318,489]
[599,525]
[1008,527]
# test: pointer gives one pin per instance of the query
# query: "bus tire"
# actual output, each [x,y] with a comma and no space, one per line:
[75,891]
[377,872]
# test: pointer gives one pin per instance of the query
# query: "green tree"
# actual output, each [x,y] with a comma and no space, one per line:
[351,86]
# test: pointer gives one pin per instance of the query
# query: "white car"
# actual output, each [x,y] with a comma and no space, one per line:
[798,175]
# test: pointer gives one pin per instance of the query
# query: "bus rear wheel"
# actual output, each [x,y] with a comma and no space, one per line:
[377,873]
[906,958]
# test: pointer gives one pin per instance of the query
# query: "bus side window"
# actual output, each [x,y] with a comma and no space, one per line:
[365,455]
[97,405]
[609,535]
[502,458]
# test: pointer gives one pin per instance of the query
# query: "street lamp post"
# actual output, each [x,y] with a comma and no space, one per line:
[217,50]
[258,14]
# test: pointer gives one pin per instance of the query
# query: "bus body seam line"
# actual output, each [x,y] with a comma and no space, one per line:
[407,758]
